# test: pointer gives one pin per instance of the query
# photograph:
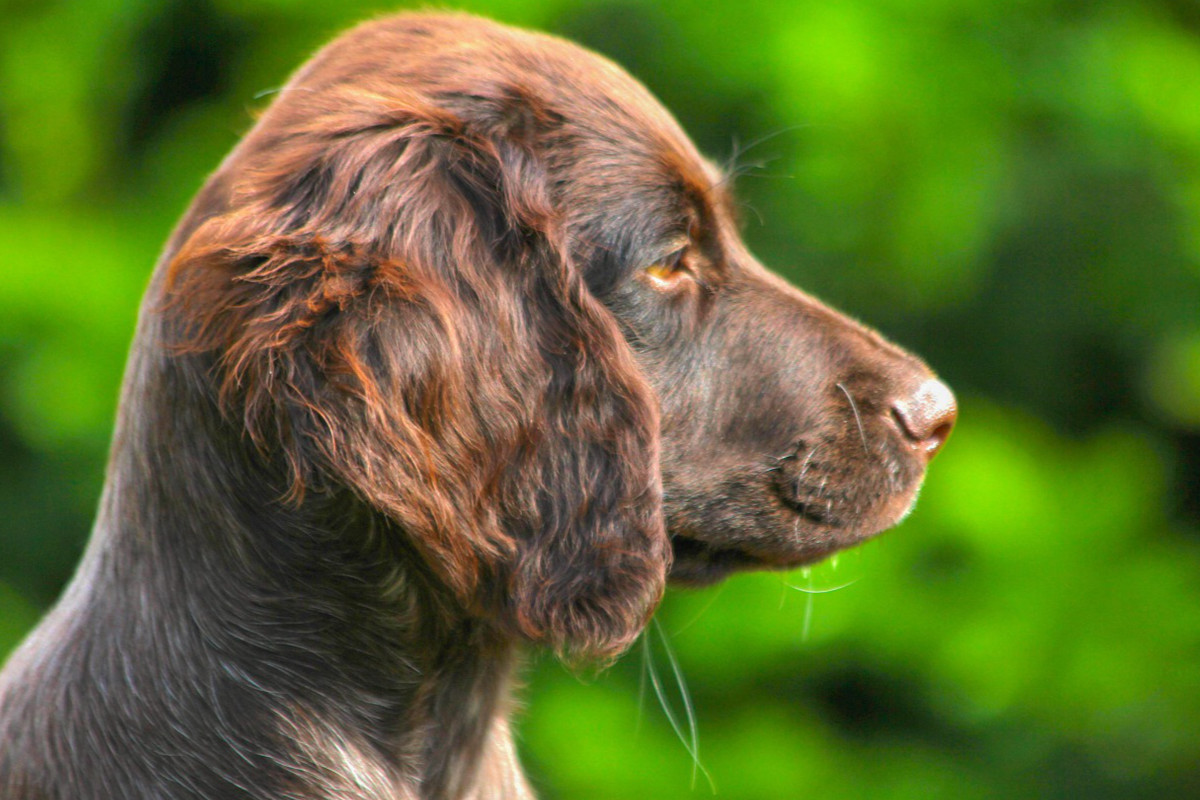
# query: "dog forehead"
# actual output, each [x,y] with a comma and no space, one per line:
[622,134]
[527,76]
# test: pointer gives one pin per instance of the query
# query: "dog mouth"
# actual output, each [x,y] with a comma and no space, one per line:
[812,508]
[808,531]
[806,510]
[698,563]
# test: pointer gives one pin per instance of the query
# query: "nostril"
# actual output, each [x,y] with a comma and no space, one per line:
[927,415]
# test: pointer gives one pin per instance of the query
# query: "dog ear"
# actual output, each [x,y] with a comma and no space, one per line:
[392,307]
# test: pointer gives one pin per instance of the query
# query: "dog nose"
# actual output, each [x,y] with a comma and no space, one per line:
[927,415]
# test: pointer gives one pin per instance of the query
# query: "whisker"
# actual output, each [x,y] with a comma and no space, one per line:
[758,216]
[809,603]
[804,466]
[716,593]
[857,418]
[690,741]
[642,673]
[734,168]
[812,590]
[280,90]
[739,150]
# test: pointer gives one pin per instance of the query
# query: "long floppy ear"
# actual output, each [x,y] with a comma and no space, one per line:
[391,308]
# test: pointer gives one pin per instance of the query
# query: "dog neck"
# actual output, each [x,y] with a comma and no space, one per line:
[253,648]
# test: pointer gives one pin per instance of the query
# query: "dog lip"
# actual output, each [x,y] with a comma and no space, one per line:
[698,563]
[816,511]
[687,547]
[809,506]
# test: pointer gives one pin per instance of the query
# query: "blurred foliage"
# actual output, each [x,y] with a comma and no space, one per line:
[1010,188]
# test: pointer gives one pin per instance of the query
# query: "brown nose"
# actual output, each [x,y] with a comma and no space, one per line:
[927,415]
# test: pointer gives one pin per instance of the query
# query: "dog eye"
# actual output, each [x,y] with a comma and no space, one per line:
[670,271]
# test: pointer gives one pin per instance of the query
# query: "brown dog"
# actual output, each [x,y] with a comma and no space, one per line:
[459,351]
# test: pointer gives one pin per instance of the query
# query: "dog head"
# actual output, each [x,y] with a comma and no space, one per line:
[480,280]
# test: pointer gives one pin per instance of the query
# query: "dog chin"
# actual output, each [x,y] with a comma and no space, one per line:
[700,563]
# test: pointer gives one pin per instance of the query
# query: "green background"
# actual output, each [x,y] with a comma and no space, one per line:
[1011,189]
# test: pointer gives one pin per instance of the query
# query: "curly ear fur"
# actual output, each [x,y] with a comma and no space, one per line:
[389,306]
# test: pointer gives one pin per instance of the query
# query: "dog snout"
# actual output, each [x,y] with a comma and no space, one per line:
[926,415]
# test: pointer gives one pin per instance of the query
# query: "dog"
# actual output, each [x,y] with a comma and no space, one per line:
[458,353]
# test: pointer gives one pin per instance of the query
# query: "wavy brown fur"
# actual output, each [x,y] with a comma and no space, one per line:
[403,401]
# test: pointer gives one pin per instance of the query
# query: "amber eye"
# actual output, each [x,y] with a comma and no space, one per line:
[670,271]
